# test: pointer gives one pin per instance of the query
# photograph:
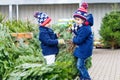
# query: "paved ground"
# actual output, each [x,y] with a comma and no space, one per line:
[106,64]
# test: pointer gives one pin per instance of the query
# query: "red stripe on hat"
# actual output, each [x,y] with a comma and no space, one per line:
[80,16]
[46,21]
[82,9]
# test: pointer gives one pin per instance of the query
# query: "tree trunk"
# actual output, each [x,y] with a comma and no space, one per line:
[112,45]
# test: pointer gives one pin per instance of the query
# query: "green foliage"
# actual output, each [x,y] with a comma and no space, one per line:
[88,62]
[10,54]
[63,69]
[20,26]
[1,18]
[110,29]
[5,60]
[61,28]
[25,62]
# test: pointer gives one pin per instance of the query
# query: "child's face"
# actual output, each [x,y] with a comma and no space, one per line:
[78,20]
[48,25]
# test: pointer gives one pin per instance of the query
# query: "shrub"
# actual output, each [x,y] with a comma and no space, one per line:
[1,18]
[110,29]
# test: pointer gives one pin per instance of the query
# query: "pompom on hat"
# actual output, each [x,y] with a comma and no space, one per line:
[43,18]
[83,7]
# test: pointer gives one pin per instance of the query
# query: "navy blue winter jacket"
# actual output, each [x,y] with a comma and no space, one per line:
[84,42]
[49,42]
[90,19]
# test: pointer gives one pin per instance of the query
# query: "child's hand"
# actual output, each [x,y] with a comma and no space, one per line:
[61,41]
[69,30]
[58,34]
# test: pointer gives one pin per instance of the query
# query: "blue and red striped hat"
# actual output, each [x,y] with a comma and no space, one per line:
[82,11]
[80,14]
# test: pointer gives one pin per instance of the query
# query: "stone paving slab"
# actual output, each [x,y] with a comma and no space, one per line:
[105,64]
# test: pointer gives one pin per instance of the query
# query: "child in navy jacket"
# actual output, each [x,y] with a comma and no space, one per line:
[84,40]
[49,40]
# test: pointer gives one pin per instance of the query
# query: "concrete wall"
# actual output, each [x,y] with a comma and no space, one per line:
[4,10]
[59,11]
[54,11]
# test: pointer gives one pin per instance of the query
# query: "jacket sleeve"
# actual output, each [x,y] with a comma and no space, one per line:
[45,38]
[81,36]
[56,36]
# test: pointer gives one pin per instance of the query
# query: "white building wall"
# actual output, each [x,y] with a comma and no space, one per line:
[65,11]
[4,10]
[59,11]
[54,11]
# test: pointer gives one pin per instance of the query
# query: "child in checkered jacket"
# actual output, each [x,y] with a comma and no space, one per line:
[48,39]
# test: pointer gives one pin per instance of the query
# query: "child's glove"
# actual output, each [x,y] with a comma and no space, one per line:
[58,34]
[69,30]
[61,41]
